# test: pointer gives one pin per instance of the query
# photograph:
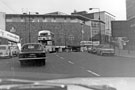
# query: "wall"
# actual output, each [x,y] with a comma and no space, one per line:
[125,29]
[62,31]
[2,26]
[119,28]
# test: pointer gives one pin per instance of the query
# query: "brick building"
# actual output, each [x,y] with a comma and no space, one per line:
[66,28]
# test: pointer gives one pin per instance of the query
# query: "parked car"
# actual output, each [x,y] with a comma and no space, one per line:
[105,49]
[89,49]
[32,54]
[5,51]
[93,50]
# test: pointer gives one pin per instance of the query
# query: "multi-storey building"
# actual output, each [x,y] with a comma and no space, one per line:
[126,28]
[67,29]
[130,9]
[104,16]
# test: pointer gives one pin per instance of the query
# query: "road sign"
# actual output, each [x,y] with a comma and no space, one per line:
[95,43]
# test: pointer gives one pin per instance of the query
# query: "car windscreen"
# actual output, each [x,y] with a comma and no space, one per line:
[32,47]
[44,34]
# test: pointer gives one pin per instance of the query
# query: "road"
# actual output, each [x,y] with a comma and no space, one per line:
[68,65]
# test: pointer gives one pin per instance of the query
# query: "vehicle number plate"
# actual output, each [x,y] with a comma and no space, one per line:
[32,55]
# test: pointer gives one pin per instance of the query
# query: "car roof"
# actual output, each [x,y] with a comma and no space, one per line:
[32,43]
[4,45]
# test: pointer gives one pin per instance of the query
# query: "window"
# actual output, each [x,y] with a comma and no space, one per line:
[2,48]
[32,47]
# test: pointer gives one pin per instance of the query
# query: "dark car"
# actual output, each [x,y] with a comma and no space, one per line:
[32,54]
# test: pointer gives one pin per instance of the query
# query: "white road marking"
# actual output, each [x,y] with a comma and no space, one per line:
[92,72]
[61,57]
[81,67]
[70,62]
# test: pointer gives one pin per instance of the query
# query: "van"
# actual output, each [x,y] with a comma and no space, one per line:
[5,51]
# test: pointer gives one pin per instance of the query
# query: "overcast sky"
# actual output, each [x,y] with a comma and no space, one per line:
[115,7]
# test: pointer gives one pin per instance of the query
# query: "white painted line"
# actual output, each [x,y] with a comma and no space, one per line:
[92,72]
[61,57]
[70,62]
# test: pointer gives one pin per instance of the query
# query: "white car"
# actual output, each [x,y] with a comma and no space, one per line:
[105,50]
[5,51]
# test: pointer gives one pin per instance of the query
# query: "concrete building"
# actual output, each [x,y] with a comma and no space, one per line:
[126,28]
[67,29]
[104,16]
[130,9]
[5,36]
[2,27]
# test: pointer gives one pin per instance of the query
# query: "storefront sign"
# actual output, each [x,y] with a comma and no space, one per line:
[9,36]
[85,43]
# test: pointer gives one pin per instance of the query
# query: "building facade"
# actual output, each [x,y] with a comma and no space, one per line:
[130,9]
[105,17]
[2,27]
[67,29]
[125,29]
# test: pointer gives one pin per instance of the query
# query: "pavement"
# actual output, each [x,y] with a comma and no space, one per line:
[125,53]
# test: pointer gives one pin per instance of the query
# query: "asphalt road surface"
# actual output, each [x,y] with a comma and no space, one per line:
[69,65]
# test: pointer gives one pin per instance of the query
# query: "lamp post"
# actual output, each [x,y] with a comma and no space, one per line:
[29,29]
[82,31]
[29,26]
[91,34]
[100,36]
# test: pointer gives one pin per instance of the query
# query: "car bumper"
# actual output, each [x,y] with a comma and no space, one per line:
[4,55]
[24,59]
[108,52]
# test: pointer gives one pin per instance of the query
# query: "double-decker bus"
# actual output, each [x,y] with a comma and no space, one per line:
[46,38]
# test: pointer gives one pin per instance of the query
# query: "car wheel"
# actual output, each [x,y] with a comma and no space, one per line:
[43,62]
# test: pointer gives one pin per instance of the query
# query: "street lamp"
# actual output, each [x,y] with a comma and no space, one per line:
[29,26]
[82,31]
[100,37]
